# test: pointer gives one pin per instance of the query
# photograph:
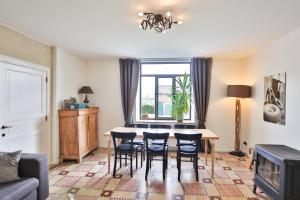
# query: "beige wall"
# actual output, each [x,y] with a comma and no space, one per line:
[281,56]
[69,74]
[221,110]
[104,78]
[72,71]
[16,45]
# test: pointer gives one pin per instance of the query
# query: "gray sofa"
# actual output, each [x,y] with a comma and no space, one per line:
[33,183]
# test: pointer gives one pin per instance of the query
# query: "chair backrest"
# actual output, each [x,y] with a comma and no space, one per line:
[184,126]
[124,136]
[163,126]
[188,137]
[156,136]
[138,125]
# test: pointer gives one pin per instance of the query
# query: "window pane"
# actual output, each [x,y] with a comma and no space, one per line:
[187,115]
[164,97]
[166,68]
[147,98]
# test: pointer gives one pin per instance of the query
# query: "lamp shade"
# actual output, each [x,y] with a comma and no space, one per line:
[242,91]
[86,90]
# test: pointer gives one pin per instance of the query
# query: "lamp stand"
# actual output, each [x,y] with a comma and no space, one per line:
[86,99]
[237,151]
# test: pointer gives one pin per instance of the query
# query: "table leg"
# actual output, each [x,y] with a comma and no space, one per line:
[108,153]
[212,159]
[205,150]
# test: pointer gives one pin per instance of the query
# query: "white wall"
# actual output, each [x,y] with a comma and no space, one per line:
[104,78]
[281,56]
[221,110]
[69,74]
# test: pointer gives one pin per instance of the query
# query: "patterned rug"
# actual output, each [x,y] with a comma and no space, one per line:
[89,180]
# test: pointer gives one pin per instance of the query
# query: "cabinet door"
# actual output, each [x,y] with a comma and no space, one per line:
[68,138]
[83,133]
[93,131]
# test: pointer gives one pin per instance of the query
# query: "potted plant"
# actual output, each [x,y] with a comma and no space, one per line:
[181,96]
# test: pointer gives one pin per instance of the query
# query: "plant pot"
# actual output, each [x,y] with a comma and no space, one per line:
[179,118]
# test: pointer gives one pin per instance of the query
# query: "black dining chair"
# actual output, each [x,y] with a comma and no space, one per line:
[124,149]
[190,151]
[185,126]
[140,143]
[138,125]
[162,126]
[159,126]
[156,150]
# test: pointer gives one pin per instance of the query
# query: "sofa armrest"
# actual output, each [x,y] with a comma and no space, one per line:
[36,165]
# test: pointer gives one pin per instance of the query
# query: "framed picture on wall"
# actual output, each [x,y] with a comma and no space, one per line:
[275,98]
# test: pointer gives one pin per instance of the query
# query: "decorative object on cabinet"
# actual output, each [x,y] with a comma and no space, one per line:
[86,90]
[67,103]
[275,94]
[78,132]
[238,91]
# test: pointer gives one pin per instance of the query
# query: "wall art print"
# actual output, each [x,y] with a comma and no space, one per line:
[275,98]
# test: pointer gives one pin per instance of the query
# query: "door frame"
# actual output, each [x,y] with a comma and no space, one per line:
[30,65]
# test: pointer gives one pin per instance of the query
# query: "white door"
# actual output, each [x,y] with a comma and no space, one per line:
[23,108]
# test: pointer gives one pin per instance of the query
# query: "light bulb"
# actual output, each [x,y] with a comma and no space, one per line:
[168,14]
[140,14]
[179,22]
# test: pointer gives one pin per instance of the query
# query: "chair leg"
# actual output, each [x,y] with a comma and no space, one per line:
[167,159]
[144,153]
[179,167]
[120,160]
[115,165]
[196,167]
[136,159]
[131,173]
[142,156]
[126,159]
[164,167]
[254,188]
[150,162]
[147,167]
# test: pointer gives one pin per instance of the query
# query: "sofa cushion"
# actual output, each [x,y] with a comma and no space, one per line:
[18,189]
[9,166]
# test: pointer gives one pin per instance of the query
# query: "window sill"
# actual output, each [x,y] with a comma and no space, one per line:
[165,121]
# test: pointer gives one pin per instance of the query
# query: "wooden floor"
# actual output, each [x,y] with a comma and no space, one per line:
[89,181]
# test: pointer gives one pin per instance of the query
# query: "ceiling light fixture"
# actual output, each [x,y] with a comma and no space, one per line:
[158,22]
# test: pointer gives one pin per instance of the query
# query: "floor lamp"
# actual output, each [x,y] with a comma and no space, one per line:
[238,91]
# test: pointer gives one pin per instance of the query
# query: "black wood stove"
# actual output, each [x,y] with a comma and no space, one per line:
[277,171]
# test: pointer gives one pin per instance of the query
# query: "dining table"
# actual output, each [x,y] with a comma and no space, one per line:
[207,135]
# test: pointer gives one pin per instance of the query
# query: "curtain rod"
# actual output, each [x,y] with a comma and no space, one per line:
[167,60]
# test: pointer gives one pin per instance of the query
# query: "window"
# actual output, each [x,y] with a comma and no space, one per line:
[155,92]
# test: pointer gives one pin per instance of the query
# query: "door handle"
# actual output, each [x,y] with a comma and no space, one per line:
[6,127]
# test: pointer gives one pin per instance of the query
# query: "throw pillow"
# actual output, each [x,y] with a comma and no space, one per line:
[9,163]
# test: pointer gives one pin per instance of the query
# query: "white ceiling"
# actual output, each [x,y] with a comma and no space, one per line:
[97,28]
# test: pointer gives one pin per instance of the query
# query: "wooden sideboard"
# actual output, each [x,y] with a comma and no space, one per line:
[78,132]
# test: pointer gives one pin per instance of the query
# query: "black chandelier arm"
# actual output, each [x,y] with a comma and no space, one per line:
[150,15]
[157,22]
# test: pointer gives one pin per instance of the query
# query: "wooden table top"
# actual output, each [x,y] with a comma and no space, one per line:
[206,133]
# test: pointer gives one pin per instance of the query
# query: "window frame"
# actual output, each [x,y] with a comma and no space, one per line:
[156,77]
